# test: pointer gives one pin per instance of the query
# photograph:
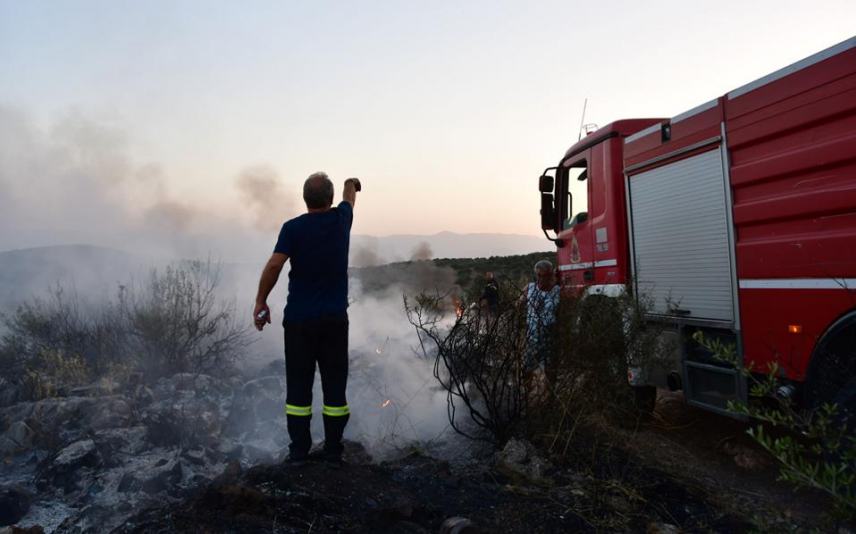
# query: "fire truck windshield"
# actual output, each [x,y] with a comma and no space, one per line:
[575,197]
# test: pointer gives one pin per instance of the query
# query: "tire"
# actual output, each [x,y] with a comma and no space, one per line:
[832,377]
[645,399]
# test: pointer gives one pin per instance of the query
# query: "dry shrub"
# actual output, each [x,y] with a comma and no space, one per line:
[480,361]
[171,323]
[176,323]
[477,360]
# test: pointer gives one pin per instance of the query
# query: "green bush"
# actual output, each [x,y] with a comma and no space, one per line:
[814,449]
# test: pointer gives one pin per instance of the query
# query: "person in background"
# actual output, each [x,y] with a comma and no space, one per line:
[489,300]
[316,316]
[541,299]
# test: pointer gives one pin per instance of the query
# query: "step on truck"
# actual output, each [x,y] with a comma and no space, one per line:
[736,218]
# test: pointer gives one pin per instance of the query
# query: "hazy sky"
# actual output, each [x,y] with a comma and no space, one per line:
[448,111]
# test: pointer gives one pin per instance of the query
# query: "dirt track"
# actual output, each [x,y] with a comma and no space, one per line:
[714,454]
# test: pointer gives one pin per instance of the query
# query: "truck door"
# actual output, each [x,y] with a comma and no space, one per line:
[576,256]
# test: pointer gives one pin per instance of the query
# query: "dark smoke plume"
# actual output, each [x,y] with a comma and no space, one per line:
[422,252]
[261,189]
[366,253]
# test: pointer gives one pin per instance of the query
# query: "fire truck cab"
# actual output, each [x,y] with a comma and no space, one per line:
[736,218]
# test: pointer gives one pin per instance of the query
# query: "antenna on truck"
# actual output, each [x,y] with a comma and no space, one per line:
[582,119]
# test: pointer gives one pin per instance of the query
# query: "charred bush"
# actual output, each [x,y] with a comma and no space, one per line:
[478,360]
[544,383]
[176,323]
[54,342]
[171,323]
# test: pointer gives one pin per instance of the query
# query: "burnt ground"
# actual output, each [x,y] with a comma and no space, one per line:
[417,493]
[714,455]
[687,469]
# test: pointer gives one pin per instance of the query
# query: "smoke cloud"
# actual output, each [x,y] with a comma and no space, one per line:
[366,253]
[263,193]
[74,181]
[422,252]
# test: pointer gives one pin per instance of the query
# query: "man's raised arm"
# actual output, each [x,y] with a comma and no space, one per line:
[270,275]
[349,192]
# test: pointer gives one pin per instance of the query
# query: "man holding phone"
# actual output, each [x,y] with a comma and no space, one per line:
[316,316]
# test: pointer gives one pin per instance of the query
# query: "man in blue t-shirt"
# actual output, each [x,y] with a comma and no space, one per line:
[316,312]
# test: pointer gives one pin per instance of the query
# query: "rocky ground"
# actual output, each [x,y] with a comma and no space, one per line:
[197,453]
[89,459]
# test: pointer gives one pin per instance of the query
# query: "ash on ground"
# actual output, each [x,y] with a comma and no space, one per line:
[88,459]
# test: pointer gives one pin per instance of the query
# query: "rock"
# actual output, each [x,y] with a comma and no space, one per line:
[230,449]
[56,420]
[198,384]
[7,447]
[746,457]
[458,525]
[520,460]
[187,421]
[76,453]
[102,387]
[62,471]
[167,476]
[129,440]
[257,455]
[142,395]
[355,453]
[258,401]
[662,528]
[230,473]
[195,456]
[18,437]
[14,503]
[9,393]
[25,530]
[21,434]
[107,412]
[128,483]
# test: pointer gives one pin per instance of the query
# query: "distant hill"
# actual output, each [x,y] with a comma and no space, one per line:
[368,250]
[97,271]
[83,268]
[464,275]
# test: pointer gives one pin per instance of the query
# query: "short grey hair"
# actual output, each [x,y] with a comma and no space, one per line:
[318,191]
[543,265]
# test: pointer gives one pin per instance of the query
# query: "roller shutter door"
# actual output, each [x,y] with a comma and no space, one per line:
[680,237]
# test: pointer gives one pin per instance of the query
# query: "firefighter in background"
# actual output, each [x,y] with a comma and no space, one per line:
[489,300]
[542,300]
[316,317]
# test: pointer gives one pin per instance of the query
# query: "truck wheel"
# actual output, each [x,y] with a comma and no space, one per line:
[833,366]
[646,399]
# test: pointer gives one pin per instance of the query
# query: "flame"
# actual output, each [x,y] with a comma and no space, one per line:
[385,403]
[459,308]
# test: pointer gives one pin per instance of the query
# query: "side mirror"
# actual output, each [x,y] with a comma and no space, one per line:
[545,184]
[548,214]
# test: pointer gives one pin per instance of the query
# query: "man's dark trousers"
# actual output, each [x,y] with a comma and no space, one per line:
[324,341]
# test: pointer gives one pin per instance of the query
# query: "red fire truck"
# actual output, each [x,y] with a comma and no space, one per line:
[736,218]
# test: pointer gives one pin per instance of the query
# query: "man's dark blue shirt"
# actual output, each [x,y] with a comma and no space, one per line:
[317,247]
